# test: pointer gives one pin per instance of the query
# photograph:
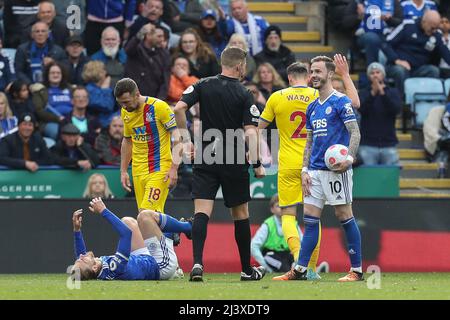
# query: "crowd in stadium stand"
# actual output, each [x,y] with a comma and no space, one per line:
[57,104]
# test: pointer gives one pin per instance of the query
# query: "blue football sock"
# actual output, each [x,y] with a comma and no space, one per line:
[310,238]
[170,224]
[168,235]
[353,241]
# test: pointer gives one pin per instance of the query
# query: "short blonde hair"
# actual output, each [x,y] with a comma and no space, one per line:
[92,71]
[88,190]
[240,37]
[232,56]
[8,113]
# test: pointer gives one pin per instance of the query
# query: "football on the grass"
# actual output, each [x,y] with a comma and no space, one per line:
[336,153]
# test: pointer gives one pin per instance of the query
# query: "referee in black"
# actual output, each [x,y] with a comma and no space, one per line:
[225,106]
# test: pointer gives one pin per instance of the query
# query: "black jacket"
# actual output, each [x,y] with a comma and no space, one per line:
[75,71]
[150,68]
[18,17]
[11,151]
[84,152]
[59,32]
[409,42]
[280,59]
[378,114]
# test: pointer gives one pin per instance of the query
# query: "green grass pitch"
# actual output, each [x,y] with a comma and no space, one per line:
[228,287]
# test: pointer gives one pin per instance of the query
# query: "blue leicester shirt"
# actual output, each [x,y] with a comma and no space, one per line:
[326,119]
[410,11]
[135,267]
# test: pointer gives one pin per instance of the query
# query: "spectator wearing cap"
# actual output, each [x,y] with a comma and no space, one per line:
[77,59]
[25,149]
[275,53]
[184,14]
[33,56]
[108,143]
[111,54]
[88,125]
[379,108]
[251,26]
[152,12]
[58,32]
[72,152]
[209,31]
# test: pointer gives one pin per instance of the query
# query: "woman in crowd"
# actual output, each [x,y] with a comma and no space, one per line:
[97,186]
[180,79]
[20,98]
[202,60]
[101,98]
[52,100]
[210,32]
[268,79]
[238,40]
[8,122]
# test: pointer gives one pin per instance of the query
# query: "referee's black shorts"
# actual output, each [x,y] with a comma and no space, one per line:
[234,180]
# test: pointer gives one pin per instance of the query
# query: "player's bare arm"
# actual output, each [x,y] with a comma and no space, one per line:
[342,70]
[184,136]
[306,179]
[355,137]
[77,219]
[253,139]
[125,158]
[177,152]
[262,124]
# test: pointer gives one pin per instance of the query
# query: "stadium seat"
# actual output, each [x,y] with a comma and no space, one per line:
[447,86]
[10,53]
[422,94]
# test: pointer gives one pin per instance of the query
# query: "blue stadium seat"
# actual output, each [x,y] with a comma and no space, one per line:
[10,53]
[447,86]
[422,94]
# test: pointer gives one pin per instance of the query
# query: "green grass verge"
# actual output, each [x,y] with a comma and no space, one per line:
[228,286]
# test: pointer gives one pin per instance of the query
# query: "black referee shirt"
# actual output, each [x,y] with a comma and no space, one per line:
[224,104]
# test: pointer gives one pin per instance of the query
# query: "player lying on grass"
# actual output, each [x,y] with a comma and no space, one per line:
[143,252]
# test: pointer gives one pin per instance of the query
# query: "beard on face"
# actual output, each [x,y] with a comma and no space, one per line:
[110,52]
[274,48]
[320,85]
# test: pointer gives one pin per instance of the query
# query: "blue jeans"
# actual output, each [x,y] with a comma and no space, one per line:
[400,74]
[370,43]
[375,155]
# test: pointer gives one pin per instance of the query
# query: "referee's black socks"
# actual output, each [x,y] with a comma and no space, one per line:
[243,238]
[199,230]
